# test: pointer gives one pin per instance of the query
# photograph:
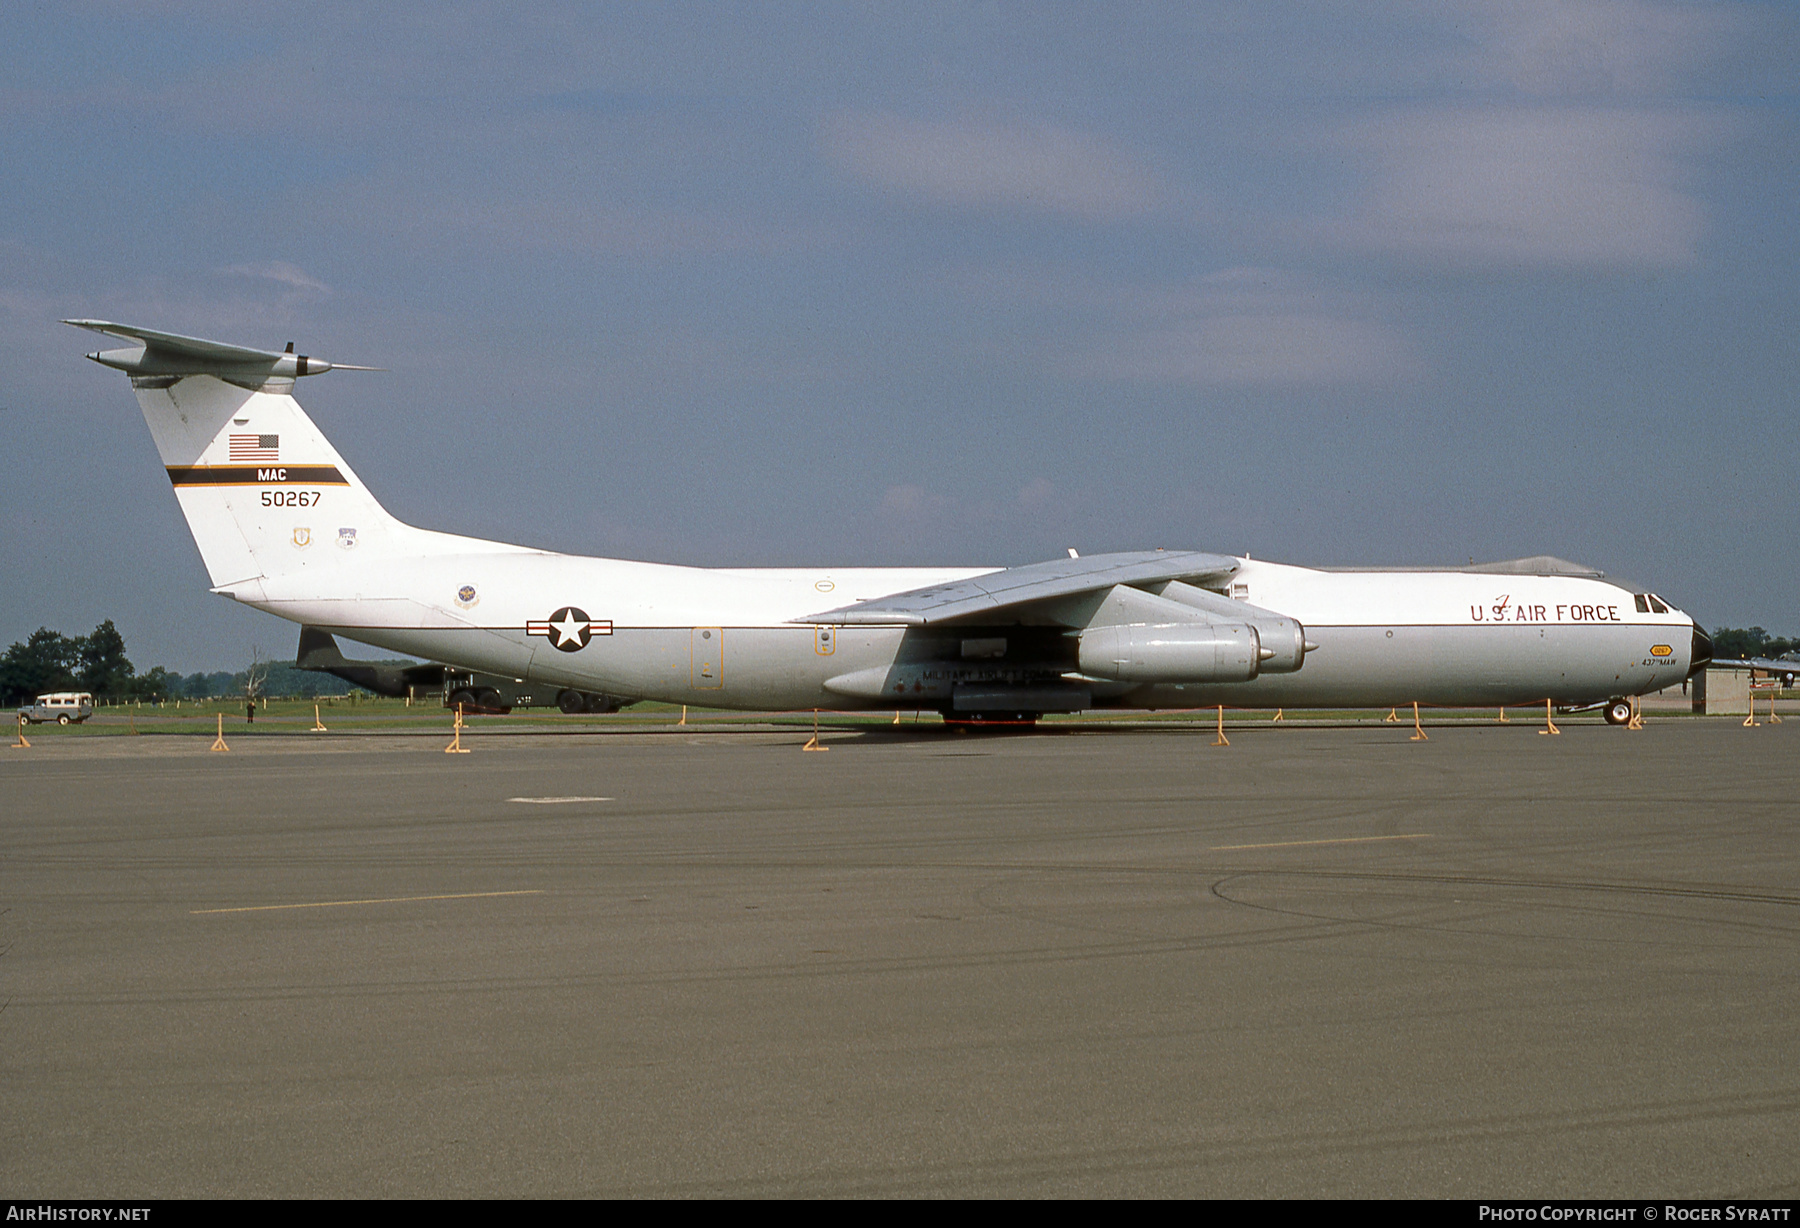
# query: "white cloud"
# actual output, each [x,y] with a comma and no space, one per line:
[1038,493]
[281,271]
[1244,326]
[912,502]
[1255,349]
[984,164]
[580,226]
[1576,48]
[1534,186]
[568,222]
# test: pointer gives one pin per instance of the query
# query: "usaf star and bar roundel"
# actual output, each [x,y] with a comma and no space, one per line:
[569,629]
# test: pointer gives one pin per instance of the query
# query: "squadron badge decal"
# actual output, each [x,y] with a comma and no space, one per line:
[569,629]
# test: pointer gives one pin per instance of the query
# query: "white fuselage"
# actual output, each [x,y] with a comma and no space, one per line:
[726,638]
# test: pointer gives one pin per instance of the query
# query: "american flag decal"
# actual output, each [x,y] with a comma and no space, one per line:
[255,449]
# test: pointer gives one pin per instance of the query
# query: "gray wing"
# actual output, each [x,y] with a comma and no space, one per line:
[1772,665]
[1015,586]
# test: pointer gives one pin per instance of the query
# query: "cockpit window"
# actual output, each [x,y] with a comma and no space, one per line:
[1656,605]
[1643,603]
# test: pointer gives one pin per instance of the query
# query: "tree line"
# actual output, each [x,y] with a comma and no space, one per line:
[1736,644]
[50,661]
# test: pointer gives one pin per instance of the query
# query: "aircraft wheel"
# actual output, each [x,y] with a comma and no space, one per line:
[1618,711]
[62,718]
[571,702]
[465,699]
[490,700]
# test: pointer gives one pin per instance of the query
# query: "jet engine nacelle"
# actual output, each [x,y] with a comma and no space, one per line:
[1172,652]
[1283,645]
[1283,639]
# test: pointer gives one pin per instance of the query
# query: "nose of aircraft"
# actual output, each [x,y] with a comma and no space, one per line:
[1701,653]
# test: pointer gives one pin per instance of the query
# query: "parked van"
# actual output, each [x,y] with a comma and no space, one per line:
[63,707]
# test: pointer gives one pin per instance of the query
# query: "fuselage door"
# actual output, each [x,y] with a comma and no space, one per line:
[708,650]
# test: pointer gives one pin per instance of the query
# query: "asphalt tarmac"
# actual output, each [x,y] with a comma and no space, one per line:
[1317,962]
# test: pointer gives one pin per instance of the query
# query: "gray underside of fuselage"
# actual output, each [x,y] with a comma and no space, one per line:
[789,667]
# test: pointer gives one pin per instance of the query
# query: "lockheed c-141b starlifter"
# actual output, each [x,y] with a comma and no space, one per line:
[284,524]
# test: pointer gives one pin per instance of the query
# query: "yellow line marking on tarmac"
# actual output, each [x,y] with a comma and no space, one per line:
[1288,844]
[398,899]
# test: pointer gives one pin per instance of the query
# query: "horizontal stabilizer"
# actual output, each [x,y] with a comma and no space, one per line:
[319,653]
[318,650]
[172,355]
[1015,586]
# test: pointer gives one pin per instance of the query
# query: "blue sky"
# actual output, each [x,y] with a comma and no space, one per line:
[961,284]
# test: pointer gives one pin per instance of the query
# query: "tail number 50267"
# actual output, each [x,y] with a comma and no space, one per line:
[290,498]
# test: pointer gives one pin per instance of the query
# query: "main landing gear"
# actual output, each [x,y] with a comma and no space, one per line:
[484,701]
[572,702]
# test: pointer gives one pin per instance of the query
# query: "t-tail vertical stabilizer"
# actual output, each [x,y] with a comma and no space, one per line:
[264,492]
